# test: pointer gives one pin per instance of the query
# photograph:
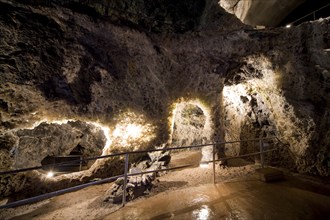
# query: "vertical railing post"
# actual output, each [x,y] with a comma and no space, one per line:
[80,163]
[261,145]
[213,163]
[125,179]
[54,165]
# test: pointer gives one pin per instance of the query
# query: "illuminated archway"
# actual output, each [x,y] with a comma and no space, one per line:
[191,125]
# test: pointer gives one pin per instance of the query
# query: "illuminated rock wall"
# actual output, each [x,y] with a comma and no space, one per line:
[58,65]
[287,97]
[260,12]
[191,124]
[28,147]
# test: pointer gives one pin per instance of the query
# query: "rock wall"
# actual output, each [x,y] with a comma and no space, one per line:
[29,147]
[58,64]
[288,98]
[260,12]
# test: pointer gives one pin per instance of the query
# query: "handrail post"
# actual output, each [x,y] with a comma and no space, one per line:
[125,180]
[80,163]
[261,145]
[213,163]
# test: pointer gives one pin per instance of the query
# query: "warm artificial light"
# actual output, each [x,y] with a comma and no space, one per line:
[180,104]
[288,25]
[50,174]
[106,132]
[131,131]
[203,165]
[128,131]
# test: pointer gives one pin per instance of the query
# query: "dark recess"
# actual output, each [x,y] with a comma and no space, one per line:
[305,8]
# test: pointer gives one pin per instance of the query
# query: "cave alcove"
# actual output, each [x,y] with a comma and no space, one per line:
[192,125]
[68,163]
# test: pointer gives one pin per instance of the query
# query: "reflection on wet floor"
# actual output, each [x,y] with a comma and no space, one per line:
[190,194]
[246,199]
[203,213]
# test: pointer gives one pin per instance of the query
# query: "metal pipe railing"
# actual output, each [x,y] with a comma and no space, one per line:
[75,188]
[129,152]
[245,155]
[126,174]
[311,13]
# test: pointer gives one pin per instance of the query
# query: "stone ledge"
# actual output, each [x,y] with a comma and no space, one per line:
[269,174]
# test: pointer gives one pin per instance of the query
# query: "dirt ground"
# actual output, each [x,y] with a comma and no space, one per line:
[194,187]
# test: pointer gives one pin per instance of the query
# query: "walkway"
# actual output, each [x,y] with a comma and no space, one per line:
[190,194]
[244,199]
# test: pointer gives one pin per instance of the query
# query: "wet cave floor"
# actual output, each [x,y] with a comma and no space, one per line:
[190,194]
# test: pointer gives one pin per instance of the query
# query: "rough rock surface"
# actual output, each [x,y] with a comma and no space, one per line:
[58,64]
[190,125]
[260,12]
[138,185]
[29,147]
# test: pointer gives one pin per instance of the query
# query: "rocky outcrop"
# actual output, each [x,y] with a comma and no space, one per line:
[288,100]
[57,64]
[30,147]
[259,12]
[141,184]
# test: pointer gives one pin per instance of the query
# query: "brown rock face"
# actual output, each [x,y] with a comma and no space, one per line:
[231,82]
[30,147]
[259,12]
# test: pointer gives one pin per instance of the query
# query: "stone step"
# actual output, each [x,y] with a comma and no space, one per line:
[269,174]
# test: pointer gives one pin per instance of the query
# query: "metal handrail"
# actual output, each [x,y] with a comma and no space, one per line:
[130,152]
[126,174]
[244,155]
[75,188]
[311,13]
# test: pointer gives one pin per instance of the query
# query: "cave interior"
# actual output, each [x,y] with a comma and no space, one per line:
[86,79]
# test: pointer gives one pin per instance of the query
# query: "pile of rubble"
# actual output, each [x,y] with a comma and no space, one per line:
[141,184]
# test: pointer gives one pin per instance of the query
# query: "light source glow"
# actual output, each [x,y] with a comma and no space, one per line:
[288,25]
[131,131]
[203,165]
[128,131]
[50,174]
[106,131]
